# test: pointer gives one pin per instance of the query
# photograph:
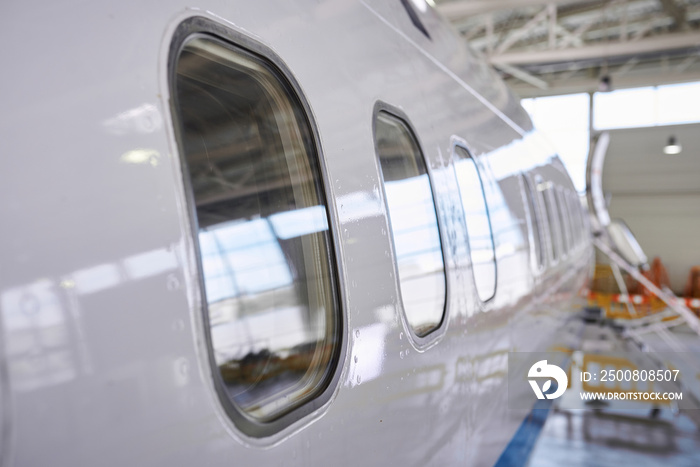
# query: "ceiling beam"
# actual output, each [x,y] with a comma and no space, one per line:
[518,34]
[552,13]
[676,12]
[568,37]
[686,64]
[576,85]
[631,63]
[523,76]
[459,9]
[600,51]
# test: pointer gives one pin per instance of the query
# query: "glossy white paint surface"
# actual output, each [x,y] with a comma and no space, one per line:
[101,324]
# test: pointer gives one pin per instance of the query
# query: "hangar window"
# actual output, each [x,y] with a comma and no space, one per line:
[413,222]
[262,233]
[476,213]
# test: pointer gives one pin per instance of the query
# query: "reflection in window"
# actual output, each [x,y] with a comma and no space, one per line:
[413,223]
[571,217]
[542,189]
[476,213]
[554,220]
[576,218]
[263,232]
[565,222]
[537,239]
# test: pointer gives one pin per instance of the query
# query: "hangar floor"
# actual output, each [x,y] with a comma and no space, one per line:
[611,434]
[594,438]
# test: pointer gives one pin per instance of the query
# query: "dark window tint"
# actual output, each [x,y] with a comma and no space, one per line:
[263,237]
[414,227]
[479,231]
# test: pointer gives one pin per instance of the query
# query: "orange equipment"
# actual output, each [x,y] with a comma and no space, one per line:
[658,275]
[692,287]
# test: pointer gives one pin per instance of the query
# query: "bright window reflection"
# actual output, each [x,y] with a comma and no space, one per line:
[240,258]
[413,224]
[476,213]
[263,231]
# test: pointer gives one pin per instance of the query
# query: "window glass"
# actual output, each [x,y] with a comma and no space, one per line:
[570,214]
[581,215]
[476,213]
[583,219]
[545,200]
[263,237]
[565,220]
[554,220]
[414,227]
[575,218]
[534,222]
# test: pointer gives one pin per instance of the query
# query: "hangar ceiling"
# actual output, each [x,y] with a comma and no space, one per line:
[564,46]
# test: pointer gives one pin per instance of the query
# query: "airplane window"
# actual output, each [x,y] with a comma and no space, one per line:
[576,216]
[571,213]
[543,191]
[414,227]
[555,220]
[564,217]
[571,210]
[262,229]
[534,222]
[479,231]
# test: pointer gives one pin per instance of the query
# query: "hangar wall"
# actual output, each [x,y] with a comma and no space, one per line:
[658,195]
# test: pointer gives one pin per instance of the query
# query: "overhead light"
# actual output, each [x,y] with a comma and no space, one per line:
[672,147]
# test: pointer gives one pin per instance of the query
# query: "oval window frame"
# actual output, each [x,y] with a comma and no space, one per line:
[200,26]
[455,143]
[434,336]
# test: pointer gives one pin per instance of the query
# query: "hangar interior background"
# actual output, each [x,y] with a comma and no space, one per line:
[629,67]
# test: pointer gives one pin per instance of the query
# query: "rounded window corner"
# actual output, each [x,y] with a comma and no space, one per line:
[414,225]
[477,215]
[265,250]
